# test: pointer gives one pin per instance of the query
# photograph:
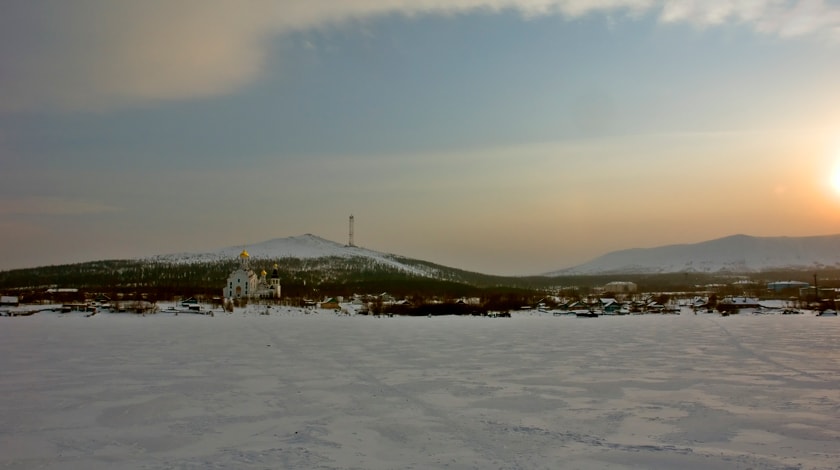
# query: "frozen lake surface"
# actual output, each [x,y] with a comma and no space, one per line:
[120,391]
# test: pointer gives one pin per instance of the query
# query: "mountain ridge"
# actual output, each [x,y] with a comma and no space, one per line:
[732,254]
[312,247]
[738,253]
[306,246]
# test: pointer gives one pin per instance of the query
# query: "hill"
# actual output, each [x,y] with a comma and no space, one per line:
[733,254]
[305,247]
[308,266]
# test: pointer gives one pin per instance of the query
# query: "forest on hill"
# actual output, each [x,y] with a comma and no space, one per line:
[331,276]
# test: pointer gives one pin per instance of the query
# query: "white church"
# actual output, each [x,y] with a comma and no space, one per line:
[243,283]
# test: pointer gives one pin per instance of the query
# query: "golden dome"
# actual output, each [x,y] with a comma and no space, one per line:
[263,273]
[244,254]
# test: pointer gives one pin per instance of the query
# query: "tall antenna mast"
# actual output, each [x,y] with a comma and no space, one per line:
[351,231]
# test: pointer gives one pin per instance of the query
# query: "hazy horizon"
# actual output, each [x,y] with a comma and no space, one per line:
[510,137]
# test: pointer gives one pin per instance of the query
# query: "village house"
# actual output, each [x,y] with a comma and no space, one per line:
[610,306]
[781,286]
[733,304]
[653,306]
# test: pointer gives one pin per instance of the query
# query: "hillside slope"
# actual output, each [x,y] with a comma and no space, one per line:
[306,246]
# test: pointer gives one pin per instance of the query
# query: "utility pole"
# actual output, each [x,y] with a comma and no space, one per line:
[350,241]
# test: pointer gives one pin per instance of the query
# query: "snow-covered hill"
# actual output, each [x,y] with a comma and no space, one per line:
[300,247]
[737,253]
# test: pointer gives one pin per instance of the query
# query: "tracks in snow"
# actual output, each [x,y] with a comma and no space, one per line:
[736,342]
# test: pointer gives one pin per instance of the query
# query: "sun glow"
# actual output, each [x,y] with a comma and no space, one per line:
[835,180]
[835,174]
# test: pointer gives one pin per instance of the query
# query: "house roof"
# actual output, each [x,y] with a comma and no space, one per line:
[740,301]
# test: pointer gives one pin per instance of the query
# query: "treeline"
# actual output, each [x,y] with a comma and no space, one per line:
[117,274]
[299,278]
[337,276]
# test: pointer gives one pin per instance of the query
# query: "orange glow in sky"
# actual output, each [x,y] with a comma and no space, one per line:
[499,136]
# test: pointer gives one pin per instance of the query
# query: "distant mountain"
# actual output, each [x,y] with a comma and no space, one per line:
[735,254]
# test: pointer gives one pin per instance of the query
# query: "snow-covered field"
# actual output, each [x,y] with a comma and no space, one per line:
[289,390]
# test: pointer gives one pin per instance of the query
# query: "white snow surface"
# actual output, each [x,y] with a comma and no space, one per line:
[737,253]
[306,246]
[320,390]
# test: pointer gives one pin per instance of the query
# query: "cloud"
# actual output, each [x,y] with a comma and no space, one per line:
[52,206]
[92,54]
[782,18]
[100,54]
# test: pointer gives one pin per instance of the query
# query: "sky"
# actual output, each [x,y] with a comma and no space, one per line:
[507,137]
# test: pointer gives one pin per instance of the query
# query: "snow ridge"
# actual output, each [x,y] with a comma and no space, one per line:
[306,246]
